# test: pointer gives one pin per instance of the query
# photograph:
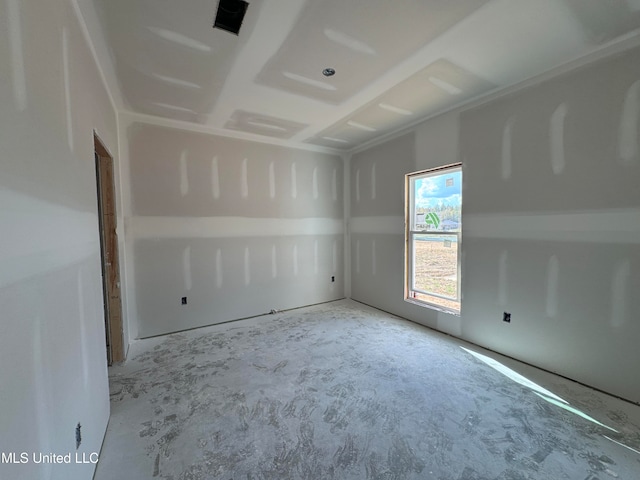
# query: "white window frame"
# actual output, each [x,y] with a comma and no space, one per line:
[411,231]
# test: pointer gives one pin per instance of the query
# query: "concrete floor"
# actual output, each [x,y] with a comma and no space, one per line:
[344,391]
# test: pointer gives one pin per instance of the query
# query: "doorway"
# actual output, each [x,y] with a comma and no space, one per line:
[109,253]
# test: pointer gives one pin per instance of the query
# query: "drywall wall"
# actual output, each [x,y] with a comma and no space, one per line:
[52,334]
[551,223]
[237,227]
[376,223]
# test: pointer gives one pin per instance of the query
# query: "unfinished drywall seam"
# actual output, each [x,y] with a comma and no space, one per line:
[184,174]
[294,181]
[125,212]
[122,180]
[18,76]
[628,132]
[507,142]
[580,227]
[272,181]
[373,257]
[314,183]
[67,86]
[461,272]
[84,350]
[244,181]
[225,227]
[379,225]
[215,178]
[373,181]
[556,138]
[120,172]
[116,103]
[503,262]
[186,268]
[186,126]
[346,244]
[42,398]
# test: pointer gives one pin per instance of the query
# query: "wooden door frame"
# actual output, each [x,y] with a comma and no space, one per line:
[112,299]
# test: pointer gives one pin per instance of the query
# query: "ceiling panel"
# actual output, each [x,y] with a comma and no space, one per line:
[396,62]
[605,20]
[263,124]
[168,60]
[430,90]
[360,39]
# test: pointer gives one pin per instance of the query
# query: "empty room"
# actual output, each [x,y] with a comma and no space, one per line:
[304,239]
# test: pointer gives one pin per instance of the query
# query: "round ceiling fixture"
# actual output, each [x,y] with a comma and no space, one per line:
[328,72]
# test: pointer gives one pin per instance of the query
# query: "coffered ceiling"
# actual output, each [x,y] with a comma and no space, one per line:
[395,61]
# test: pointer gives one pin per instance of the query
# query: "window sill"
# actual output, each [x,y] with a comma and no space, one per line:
[431,306]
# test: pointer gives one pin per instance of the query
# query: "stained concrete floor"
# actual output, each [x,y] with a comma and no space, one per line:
[344,391]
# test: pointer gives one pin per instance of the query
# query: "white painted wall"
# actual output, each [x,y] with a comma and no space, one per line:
[551,223]
[237,227]
[53,370]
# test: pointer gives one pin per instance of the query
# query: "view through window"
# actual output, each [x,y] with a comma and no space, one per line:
[433,237]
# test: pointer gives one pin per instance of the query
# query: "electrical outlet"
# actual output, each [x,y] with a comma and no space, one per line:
[506,317]
[184,300]
[78,435]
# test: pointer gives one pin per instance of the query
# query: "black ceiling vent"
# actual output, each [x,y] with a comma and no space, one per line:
[230,15]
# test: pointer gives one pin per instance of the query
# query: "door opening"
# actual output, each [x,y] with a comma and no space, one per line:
[109,253]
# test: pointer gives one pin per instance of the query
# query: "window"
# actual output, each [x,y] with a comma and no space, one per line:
[433,237]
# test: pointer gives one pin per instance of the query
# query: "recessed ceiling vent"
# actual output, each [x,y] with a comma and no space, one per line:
[230,15]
